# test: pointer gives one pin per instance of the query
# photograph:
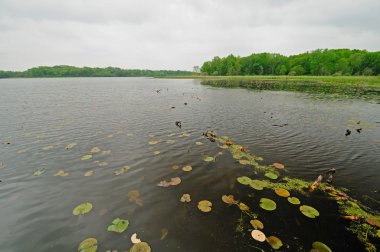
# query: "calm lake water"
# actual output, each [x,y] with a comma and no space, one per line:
[40,117]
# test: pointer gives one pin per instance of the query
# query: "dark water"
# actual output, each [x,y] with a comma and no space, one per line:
[40,117]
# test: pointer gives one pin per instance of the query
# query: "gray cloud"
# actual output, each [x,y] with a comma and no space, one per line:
[176,34]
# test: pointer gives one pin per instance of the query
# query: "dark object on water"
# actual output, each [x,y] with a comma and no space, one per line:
[348,132]
[185,103]
[280,125]
[358,122]
[178,124]
[329,175]
[359,130]
[158,91]
[173,107]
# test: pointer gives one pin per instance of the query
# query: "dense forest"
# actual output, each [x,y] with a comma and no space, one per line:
[70,71]
[318,62]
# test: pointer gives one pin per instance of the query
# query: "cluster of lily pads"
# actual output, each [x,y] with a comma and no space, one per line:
[364,222]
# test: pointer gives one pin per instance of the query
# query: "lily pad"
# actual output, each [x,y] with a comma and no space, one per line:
[243,206]
[198,143]
[274,242]
[204,206]
[170,141]
[153,142]
[156,152]
[279,166]
[271,175]
[223,146]
[95,150]
[294,200]
[134,196]
[258,235]
[88,245]
[309,211]
[228,199]
[82,209]
[134,239]
[88,173]
[71,146]
[175,167]
[244,180]
[118,225]
[208,159]
[61,173]
[86,157]
[102,164]
[122,170]
[320,247]
[140,247]
[244,161]
[187,168]
[267,204]
[258,184]
[185,198]
[256,224]
[282,192]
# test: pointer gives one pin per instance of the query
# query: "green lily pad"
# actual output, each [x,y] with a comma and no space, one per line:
[274,242]
[86,157]
[244,180]
[267,204]
[88,245]
[294,200]
[82,208]
[309,211]
[271,175]
[320,247]
[140,247]
[208,159]
[258,184]
[118,225]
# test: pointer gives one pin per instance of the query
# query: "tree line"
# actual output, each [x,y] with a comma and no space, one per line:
[318,62]
[71,71]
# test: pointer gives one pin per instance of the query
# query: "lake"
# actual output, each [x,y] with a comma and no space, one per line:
[49,125]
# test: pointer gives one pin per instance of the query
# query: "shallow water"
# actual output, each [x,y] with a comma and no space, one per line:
[40,117]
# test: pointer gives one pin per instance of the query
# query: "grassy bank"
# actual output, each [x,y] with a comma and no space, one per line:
[348,81]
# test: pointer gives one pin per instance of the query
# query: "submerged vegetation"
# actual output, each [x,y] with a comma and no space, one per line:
[71,71]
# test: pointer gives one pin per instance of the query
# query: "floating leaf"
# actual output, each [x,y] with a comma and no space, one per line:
[102,164]
[175,167]
[88,245]
[282,192]
[294,200]
[134,239]
[271,175]
[244,162]
[122,170]
[164,233]
[151,135]
[47,148]
[153,142]
[134,196]
[258,184]
[256,224]
[208,159]
[243,206]
[106,152]
[95,150]
[223,146]
[258,235]
[140,247]
[175,181]
[198,143]
[267,204]
[88,173]
[185,198]
[86,157]
[71,146]
[244,180]
[228,199]
[187,168]
[320,247]
[373,222]
[309,211]
[170,141]
[82,209]
[156,152]
[61,173]
[275,242]
[39,172]
[164,183]
[279,166]
[118,225]
[204,206]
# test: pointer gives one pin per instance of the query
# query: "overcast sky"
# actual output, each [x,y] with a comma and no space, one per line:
[177,34]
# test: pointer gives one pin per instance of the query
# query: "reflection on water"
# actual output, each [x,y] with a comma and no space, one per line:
[40,118]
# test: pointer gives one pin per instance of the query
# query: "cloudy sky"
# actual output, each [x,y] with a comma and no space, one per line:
[176,34]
